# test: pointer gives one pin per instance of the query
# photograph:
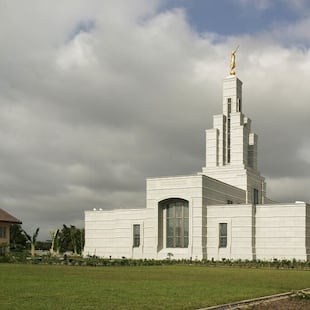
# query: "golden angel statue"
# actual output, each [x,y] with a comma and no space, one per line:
[233,61]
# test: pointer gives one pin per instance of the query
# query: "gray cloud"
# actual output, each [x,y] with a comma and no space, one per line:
[96,97]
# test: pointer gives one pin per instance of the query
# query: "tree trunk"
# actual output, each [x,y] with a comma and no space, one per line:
[33,250]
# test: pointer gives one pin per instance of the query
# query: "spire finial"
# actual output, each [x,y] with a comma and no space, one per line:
[233,61]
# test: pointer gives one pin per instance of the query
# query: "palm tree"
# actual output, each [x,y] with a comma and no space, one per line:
[54,235]
[32,240]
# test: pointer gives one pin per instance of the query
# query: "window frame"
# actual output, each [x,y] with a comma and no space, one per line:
[136,232]
[239,106]
[177,223]
[223,235]
[255,196]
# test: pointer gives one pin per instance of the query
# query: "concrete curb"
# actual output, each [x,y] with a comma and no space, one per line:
[250,302]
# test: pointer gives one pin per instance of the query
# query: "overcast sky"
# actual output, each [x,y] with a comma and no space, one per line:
[98,95]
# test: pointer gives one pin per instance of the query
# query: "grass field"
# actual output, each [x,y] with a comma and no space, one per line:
[150,287]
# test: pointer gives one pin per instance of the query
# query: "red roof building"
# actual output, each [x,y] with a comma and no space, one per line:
[6,220]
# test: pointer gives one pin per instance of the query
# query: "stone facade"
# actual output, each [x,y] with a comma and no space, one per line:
[220,213]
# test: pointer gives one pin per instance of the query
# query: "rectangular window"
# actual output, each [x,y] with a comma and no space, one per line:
[2,232]
[136,235]
[229,106]
[238,105]
[222,235]
[256,196]
[228,140]
[177,224]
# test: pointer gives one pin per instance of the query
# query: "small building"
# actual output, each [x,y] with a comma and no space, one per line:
[6,220]
[222,212]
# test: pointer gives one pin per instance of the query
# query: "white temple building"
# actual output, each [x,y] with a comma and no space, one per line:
[220,213]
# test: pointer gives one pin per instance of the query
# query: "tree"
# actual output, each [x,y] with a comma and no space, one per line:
[65,239]
[77,239]
[73,236]
[32,240]
[71,239]
[81,240]
[55,243]
[17,237]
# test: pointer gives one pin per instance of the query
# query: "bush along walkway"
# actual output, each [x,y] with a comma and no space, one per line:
[77,260]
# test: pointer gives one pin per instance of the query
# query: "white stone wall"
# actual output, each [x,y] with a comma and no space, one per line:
[199,191]
[308,231]
[266,232]
[281,231]
[240,234]
[184,187]
[255,180]
[216,192]
[212,153]
[238,134]
[110,233]
[252,151]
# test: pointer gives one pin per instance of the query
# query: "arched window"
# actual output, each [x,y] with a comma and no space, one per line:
[176,222]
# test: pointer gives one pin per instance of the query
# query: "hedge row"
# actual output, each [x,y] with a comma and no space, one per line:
[96,261]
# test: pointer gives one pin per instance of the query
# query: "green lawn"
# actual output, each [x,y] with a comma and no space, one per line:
[149,287]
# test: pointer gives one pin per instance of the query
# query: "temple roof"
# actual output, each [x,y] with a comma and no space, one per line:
[8,218]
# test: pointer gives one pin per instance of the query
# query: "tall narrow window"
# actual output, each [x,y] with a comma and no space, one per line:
[222,235]
[176,223]
[238,105]
[136,235]
[255,196]
[228,139]
[228,106]
[228,129]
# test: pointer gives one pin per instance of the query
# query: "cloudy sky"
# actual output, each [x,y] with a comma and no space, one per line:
[98,95]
